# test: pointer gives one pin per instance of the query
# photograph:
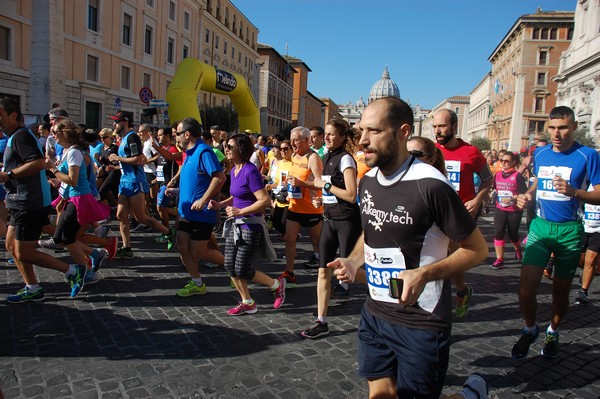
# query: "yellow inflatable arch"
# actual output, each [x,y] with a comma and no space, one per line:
[192,76]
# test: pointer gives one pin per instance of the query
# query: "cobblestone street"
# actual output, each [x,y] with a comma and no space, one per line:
[131,336]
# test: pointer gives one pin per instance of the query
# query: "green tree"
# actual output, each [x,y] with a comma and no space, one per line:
[482,143]
[581,135]
[226,117]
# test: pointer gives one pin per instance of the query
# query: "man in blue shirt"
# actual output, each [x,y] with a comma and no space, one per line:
[201,179]
[563,170]
[133,186]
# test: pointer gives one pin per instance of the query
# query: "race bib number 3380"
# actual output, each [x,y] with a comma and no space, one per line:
[381,264]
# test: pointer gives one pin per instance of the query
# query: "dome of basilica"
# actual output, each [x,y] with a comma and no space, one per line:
[384,87]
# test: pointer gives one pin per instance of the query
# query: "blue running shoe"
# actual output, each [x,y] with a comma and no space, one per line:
[99,261]
[76,280]
[24,295]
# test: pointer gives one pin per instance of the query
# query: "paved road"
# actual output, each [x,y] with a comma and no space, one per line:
[130,336]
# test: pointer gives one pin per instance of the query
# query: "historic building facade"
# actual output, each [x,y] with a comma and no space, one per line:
[307,109]
[275,90]
[94,56]
[479,114]
[578,75]
[523,64]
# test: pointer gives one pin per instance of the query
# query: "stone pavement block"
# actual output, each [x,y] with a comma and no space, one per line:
[131,328]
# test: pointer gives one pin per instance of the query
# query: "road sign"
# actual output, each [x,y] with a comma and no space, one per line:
[118,103]
[158,103]
[146,95]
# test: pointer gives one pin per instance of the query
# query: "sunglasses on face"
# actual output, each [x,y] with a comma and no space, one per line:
[418,154]
[284,148]
[229,146]
[177,132]
[505,161]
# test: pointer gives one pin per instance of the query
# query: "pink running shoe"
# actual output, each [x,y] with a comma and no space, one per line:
[242,308]
[519,255]
[279,293]
[111,248]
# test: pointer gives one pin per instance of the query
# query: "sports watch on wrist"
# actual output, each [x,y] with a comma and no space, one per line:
[10,174]
[327,186]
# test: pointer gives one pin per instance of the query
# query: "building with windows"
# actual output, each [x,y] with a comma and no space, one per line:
[352,112]
[523,64]
[307,110]
[480,110]
[93,57]
[332,111]
[275,91]
[578,76]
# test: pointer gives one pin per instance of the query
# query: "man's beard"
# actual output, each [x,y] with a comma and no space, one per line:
[443,139]
[385,156]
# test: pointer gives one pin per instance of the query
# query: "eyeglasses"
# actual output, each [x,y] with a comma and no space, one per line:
[177,132]
[505,160]
[418,154]
[284,148]
[229,146]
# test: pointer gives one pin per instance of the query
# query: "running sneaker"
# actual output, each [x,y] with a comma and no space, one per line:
[550,349]
[102,231]
[124,253]
[279,294]
[11,261]
[91,278]
[76,280]
[340,292]
[582,298]
[100,259]
[521,348]
[24,295]
[210,265]
[498,264]
[161,239]
[519,255]
[171,239]
[111,248]
[290,279]
[49,244]
[134,225]
[241,308]
[316,330]
[191,288]
[462,303]
[312,263]
[475,387]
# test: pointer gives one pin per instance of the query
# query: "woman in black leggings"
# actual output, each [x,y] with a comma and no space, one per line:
[508,183]
[341,226]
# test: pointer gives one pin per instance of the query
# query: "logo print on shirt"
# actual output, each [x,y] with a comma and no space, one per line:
[399,215]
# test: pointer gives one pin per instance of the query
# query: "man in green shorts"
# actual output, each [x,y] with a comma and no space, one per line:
[562,170]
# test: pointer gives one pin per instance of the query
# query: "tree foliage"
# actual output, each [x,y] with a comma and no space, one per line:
[581,135]
[482,143]
[226,117]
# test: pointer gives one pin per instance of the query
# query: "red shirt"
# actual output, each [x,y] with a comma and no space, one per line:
[461,162]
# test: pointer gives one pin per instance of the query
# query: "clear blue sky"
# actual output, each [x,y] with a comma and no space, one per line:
[434,49]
